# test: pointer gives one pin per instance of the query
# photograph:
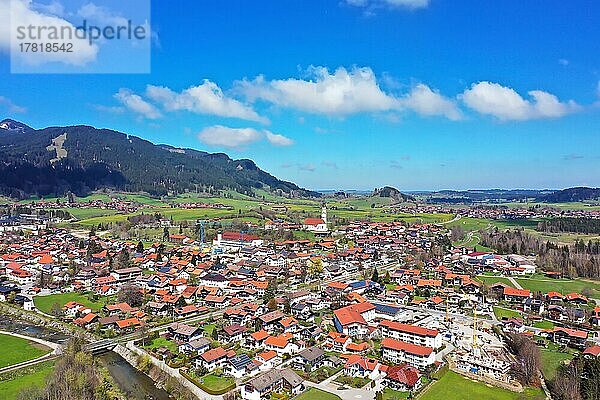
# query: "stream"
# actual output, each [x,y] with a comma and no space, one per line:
[133,383]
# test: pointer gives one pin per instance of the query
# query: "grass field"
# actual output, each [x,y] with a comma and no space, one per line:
[563,286]
[85,213]
[551,360]
[44,303]
[16,350]
[453,386]
[316,394]
[12,383]
[490,280]
[506,313]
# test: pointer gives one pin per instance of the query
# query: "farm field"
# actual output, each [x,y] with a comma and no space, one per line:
[85,213]
[12,383]
[453,386]
[16,350]
[563,286]
[44,303]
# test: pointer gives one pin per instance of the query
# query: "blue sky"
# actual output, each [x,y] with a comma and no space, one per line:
[355,94]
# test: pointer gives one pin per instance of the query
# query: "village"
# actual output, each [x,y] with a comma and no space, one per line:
[364,310]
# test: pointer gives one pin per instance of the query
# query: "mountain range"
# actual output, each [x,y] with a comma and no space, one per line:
[80,159]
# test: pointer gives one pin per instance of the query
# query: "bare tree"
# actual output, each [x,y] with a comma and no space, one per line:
[528,358]
[131,295]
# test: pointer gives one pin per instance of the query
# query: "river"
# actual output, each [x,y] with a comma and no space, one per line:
[133,383]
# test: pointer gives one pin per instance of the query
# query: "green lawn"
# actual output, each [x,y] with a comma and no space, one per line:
[551,360]
[216,383]
[16,350]
[44,303]
[543,324]
[208,328]
[506,313]
[317,394]
[12,383]
[390,394]
[563,286]
[162,342]
[453,386]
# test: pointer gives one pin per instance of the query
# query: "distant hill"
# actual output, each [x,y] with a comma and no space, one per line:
[484,196]
[11,126]
[81,159]
[392,193]
[571,194]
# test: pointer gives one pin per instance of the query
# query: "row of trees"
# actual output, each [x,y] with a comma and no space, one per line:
[570,224]
[578,260]
[580,380]
[528,358]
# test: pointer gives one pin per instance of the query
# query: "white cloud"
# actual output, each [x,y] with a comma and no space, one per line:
[425,101]
[207,98]
[505,103]
[53,8]
[410,4]
[563,61]
[101,15]
[340,93]
[135,103]
[219,135]
[278,140]
[22,13]
[343,92]
[10,106]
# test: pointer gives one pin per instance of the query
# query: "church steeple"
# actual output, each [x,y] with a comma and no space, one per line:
[324,213]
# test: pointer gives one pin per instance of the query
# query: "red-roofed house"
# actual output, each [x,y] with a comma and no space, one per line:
[361,367]
[399,352]
[353,319]
[571,337]
[515,295]
[593,351]
[575,298]
[411,333]
[403,378]
[212,359]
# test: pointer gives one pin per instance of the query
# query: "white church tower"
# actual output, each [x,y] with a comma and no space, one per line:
[324,213]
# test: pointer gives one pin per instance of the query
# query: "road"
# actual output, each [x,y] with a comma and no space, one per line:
[346,394]
[514,282]
[456,218]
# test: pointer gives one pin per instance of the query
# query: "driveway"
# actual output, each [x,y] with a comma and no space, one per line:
[346,394]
